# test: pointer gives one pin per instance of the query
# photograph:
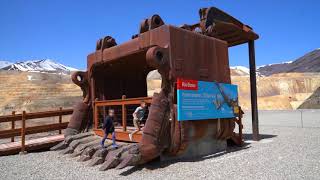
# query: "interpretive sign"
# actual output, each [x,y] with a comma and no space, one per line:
[205,100]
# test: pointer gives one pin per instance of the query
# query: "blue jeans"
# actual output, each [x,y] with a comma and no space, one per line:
[105,137]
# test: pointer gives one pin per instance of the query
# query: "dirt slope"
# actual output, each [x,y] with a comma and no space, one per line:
[36,91]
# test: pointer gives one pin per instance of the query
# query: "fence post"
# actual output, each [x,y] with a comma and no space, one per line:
[23,133]
[60,119]
[124,115]
[13,124]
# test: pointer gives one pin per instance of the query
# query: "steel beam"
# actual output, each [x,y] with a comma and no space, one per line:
[253,90]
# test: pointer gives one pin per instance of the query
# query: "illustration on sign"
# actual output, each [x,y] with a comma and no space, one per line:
[205,100]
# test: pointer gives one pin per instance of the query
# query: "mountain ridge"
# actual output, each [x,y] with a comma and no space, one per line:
[4,64]
[308,63]
[42,65]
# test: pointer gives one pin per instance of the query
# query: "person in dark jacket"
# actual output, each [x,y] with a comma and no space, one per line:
[108,128]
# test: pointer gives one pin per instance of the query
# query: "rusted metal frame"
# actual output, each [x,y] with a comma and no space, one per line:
[240,130]
[228,34]
[96,115]
[236,38]
[121,135]
[13,125]
[243,30]
[244,33]
[111,60]
[240,126]
[93,101]
[124,115]
[117,52]
[253,90]
[119,102]
[23,132]
[242,41]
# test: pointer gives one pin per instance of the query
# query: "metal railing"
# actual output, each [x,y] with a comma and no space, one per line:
[124,102]
[24,116]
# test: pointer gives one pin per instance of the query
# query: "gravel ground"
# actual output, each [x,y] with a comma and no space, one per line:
[283,153]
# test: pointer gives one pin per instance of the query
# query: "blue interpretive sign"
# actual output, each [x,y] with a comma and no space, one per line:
[198,100]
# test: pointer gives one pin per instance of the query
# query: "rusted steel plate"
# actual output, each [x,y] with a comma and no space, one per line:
[216,23]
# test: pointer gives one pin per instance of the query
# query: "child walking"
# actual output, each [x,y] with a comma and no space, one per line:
[138,115]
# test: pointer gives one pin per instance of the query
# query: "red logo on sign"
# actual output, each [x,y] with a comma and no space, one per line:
[184,84]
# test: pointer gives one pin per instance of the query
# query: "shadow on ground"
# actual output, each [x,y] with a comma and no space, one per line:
[262,136]
[157,164]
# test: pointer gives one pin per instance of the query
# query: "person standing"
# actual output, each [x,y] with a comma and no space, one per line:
[108,128]
[138,115]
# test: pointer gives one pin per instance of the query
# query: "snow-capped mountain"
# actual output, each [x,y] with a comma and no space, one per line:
[4,64]
[239,71]
[309,62]
[45,65]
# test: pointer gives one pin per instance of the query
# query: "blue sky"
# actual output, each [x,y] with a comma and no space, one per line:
[67,31]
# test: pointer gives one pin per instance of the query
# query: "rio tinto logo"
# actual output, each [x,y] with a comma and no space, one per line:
[185,84]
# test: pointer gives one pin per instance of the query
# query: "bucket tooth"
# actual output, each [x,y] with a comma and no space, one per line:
[77,142]
[78,150]
[84,158]
[60,146]
[129,160]
[111,161]
[130,156]
[113,158]
[74,144]
[99,156]
[96,161]
[69,139]
[64,144]
[68,150]
[88,153]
